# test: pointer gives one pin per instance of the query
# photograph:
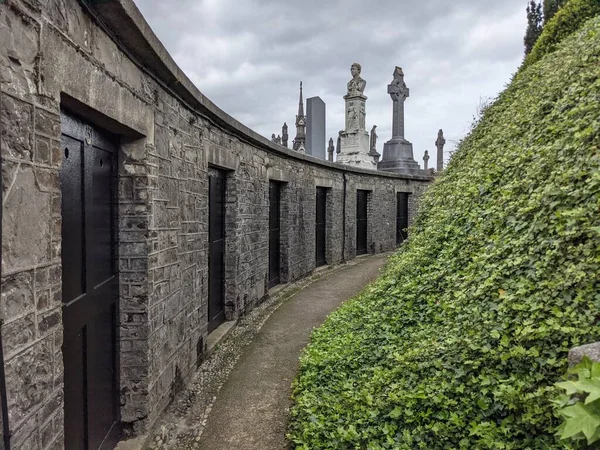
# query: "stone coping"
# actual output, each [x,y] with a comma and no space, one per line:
[129,29]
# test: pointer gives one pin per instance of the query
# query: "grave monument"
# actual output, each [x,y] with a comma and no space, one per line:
[398,152]
[355,149]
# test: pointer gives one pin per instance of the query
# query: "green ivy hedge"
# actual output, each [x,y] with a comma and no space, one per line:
[458,345]
[567,20]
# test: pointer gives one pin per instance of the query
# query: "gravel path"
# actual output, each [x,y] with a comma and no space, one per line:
[240,397]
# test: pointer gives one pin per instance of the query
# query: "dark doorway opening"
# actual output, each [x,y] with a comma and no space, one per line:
[361,222]
[401,217]
[216,250]
[321,227]
[90,288]
[274,233]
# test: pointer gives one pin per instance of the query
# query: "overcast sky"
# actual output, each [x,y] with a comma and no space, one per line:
[248,56]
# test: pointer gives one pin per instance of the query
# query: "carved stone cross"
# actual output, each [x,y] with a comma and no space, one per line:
[399,93]
[439,143]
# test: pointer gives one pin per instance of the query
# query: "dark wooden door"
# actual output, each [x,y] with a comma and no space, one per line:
[89,287]
[216,251]
[401,217]
[274,233]
[321,226]
[361,222]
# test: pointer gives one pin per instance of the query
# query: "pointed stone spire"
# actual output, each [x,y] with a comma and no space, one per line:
[301,103]
[300,138]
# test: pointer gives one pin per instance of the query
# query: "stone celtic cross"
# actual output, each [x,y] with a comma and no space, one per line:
[399,93]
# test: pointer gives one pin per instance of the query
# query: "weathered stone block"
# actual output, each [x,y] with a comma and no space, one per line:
[592,351]
[18,332]
[29,378]
[17,294]
[42,150]
[26,223]
[16,128]
[47,123]
[49,320]
[19,35]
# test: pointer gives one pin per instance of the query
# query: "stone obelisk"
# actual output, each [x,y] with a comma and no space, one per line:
[398,152]
[355,137]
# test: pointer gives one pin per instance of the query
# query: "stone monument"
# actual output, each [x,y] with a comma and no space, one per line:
[439,143]
[355,138]
[330,150]
[373,145]
[426,159]
[398,152]
[284,135]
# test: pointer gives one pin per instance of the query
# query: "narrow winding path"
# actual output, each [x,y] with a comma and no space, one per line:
[239,398]
[252,407]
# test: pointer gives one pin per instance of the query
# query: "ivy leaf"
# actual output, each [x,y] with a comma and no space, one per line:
[396,412]
[592,387]
[580,420]
[569,386]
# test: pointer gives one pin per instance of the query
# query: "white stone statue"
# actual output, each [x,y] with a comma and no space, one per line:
[356,85]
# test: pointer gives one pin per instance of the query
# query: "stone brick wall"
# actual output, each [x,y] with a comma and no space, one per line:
[55,55]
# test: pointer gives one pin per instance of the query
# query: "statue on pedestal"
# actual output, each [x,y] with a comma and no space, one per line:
[356,85]
[353,145]
[373,140]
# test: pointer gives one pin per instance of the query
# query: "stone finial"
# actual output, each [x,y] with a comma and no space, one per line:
[426,159]
[356,85]
[439,143]
[338,147]
[284,135]
[330,150]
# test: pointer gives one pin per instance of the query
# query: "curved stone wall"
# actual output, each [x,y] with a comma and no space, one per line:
[102,64]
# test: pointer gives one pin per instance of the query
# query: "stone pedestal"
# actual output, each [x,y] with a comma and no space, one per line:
[355,138]
[355,150]
[398,157]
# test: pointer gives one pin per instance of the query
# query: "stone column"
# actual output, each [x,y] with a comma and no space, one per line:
[439,143]
[330,150]
[398,152]
[284,135]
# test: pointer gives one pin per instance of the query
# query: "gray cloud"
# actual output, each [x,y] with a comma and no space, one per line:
[248,57]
